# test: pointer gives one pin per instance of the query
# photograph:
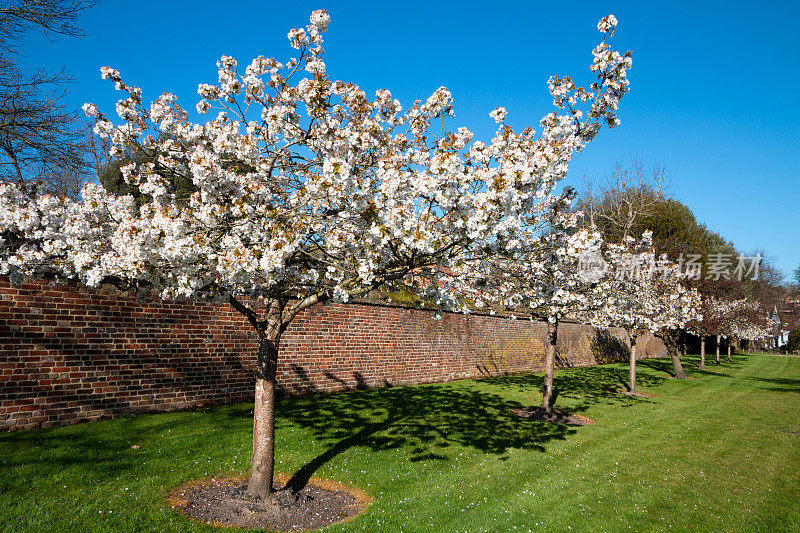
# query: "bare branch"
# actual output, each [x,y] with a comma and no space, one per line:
[625,198]
[42,145]
[50,17]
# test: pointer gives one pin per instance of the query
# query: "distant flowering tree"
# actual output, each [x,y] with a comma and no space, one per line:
[756,330]
[646,294]
[746,321]
[549,275]
[680,305]
[731,319]
[716,314]
[303,190]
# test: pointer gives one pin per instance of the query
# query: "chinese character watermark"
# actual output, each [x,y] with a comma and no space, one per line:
[716,267]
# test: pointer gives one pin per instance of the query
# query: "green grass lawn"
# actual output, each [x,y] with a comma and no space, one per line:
[711,454]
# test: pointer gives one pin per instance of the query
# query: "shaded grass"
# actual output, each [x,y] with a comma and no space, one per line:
[710,454]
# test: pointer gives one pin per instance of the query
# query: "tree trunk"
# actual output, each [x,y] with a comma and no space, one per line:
[262,467]
[676,364]
[729,350]
[702,352]
[672,340]
[632,386]
[719,338]
[549,366]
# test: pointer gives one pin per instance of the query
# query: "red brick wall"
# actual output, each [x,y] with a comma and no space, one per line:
[70,354]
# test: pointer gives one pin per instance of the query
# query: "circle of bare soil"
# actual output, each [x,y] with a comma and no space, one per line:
[554,417]
[223,502]
[690,378]
[636,394]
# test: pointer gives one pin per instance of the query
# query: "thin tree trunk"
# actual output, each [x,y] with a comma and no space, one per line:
[262,467]
[729,350]
[632,386]
[719,338]
[702,352]
[549,366]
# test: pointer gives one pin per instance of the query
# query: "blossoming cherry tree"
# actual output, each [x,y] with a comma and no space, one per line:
[305,189]
[646,295]
[549,274]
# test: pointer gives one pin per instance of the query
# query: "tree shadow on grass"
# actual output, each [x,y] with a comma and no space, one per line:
[424,420]
[98,451]
[736,362]
[659,365]
[590,385]
[692,363]
[780,384]
[666,366]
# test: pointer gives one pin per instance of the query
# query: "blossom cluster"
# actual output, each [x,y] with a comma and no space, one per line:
[738,318]
[643,294]
[541,275]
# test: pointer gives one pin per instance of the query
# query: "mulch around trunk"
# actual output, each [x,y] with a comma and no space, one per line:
[690,378]
[223,502]
[555,417]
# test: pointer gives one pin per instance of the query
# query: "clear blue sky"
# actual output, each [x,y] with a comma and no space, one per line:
[713,87]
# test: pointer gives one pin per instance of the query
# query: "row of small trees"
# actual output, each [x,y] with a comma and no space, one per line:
[301,189]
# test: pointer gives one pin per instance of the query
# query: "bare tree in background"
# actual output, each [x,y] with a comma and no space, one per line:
[51,17]
[768,288]
[624,198]
[43,143]
[96,150]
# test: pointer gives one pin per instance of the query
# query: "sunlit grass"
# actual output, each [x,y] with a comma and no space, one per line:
[710,454]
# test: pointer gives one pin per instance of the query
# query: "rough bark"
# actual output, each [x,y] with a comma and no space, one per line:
[702,352]
[262,467]
[676,365]
[632,386]
[549,366]
[672,339]
[719,338]
[270,328]
[729,351]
